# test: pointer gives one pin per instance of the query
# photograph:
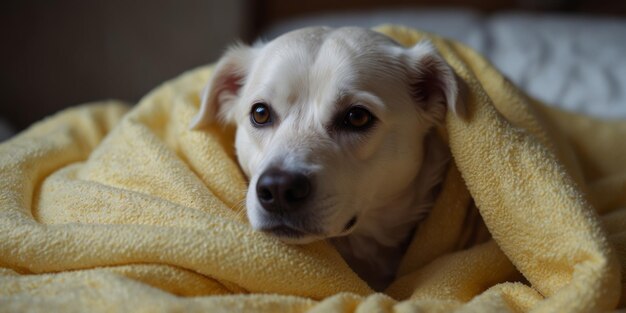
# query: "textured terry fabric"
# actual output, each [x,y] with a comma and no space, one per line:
[103,208]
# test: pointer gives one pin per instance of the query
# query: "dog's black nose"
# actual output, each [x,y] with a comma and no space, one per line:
[280,190]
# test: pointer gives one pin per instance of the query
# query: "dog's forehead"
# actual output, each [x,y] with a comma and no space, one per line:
[319,46]
[322,62]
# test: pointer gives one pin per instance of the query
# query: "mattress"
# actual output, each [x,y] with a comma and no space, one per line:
[573,62]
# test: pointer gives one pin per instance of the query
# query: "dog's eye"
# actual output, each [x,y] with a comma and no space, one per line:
[358,118]
[260,114]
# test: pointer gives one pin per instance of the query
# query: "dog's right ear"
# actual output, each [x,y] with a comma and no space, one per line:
[220,95]
[433,83]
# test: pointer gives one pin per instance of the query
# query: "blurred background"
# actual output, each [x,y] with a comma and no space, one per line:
[57,54]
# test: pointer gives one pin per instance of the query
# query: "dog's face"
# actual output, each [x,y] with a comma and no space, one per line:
[330,124]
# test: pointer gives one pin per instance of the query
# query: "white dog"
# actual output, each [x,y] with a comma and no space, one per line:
[334,133]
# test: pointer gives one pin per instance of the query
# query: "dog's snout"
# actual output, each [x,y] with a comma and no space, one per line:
[279,190]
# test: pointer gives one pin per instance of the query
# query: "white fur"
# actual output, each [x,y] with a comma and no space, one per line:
[384,177]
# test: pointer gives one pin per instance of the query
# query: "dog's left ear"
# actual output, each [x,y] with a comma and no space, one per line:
[222,91]
[433,84]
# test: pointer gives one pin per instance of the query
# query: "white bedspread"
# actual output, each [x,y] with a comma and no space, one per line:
[576,63]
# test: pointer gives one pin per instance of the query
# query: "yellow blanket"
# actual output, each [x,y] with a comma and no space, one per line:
[107,210]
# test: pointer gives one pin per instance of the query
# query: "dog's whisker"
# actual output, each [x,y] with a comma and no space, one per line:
[241,213]
[324,212]
[237,205]
[326,198]
[239,208]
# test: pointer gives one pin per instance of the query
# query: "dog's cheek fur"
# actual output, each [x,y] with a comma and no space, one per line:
[391,170]
[363,185]
[248,151]
[250,159]
[339,181]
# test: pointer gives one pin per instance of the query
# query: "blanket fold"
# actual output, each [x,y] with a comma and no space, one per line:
[104,207]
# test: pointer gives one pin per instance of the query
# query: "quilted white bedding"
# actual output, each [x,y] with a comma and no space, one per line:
[576,63]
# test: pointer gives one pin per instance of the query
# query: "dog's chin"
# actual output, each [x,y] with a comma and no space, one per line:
[300,240]
[299,231]
[292,236]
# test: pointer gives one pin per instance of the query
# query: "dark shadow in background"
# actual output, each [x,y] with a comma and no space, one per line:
[57,54]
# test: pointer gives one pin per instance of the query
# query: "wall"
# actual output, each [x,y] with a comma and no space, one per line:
[56,54]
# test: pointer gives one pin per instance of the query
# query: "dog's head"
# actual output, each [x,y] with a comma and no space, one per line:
[330,124]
